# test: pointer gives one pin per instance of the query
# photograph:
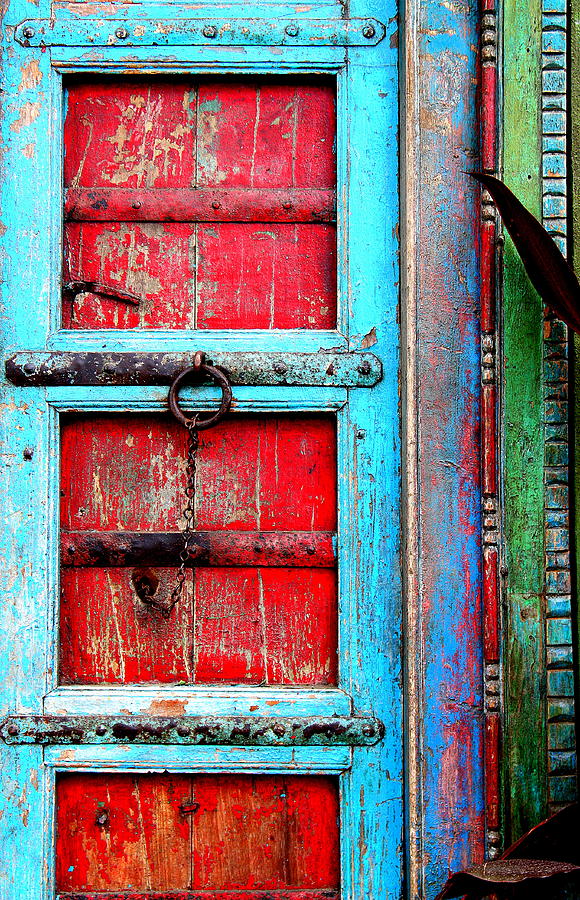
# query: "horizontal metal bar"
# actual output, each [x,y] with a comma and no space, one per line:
[206,548]
[272,894]
[245,731]
[199,205]
[324,368]
[63,31]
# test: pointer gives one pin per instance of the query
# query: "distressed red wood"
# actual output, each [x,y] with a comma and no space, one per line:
[231,154]
[310,894]
[160,832]
[274,623]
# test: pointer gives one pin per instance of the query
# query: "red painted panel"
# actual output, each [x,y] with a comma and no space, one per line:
[165,135]
[276,625]
[275,473]
[284,831]
[267,134]
[266,626]
[122,831]
[246,832]
[266,276]
[155,261]
[107,635]
[131,133]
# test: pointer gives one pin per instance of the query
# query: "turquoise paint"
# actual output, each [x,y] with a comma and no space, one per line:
[369,445]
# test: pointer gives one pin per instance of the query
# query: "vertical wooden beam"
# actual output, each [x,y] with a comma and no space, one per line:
[489,431]
[525,733]
[442,417]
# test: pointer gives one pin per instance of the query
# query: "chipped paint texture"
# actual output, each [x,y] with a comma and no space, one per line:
[447,801]
[303,453]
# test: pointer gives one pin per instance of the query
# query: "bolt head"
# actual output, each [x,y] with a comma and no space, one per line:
[28,32]
[13,730]
[122,34]
[368,731]
[183,731]
[216,204]
[101,730]
[280,368]
[287,205]
[28,369]
[210,31]
[279,730]
[291,30]
[369,31]
[136,204]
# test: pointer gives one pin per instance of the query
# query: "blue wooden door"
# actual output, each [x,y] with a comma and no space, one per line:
[142,754]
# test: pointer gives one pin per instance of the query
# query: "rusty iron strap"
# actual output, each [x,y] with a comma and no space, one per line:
[207,548]
[244,731]
[330,369]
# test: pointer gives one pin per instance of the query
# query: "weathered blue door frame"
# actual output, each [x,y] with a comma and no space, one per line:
[436,388]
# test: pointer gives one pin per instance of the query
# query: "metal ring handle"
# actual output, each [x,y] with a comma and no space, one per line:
[192,373]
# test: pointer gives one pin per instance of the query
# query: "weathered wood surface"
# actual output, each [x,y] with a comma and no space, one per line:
[259,135]
[252,624]
[525,726]
[172,832]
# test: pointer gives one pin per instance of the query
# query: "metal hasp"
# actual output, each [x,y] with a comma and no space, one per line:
[229,730]
[101,32]
[258,368]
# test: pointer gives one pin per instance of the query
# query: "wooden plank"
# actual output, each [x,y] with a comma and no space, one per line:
[115,832]
[166,832]
[285,832]
[153,260]
[195,204]
[134,133]
[266,626]
[268,276]
[275,473]
[107,635]
[525,726]
[267,134]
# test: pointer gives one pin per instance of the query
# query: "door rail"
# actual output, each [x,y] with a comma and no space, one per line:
[229,730]
[324,369]
[65,31]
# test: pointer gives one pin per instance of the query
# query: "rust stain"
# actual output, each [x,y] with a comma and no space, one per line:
[166,708]
[28,151]
[369,339]
[28,114]
[31,76]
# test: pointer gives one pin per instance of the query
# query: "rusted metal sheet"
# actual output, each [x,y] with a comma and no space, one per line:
[261,368]
[102,32]
[208,548]
[112,204]
[248,731]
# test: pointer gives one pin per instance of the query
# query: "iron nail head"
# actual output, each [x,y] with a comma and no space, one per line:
[13,729]
[291,30]
[369,31]
[136,204]
[122,34]
[183,731]
[101,730]
[28,32]
[368,731]
[210,31]
[364,368]
[216,204]
[280,368]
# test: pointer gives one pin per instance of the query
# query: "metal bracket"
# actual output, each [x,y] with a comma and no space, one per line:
[228,730]
[102,32]
[260,368]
